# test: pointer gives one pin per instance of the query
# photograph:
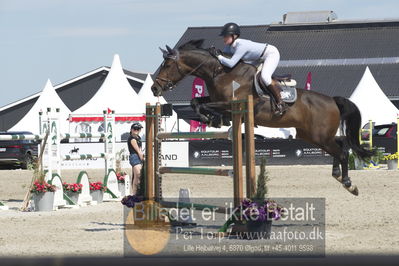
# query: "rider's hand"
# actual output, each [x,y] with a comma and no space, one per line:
[215,52]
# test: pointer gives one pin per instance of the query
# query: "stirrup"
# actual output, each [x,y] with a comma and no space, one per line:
[280,109]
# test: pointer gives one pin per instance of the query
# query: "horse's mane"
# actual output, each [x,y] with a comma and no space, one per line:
[197,45]
[193,45]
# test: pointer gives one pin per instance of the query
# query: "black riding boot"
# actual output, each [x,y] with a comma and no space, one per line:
[275,90]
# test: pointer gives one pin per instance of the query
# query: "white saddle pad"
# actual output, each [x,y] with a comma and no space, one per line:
[288,93]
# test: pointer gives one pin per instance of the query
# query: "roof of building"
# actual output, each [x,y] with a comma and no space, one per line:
[74,93]
[353,45]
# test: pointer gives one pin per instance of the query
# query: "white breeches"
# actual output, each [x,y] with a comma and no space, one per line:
[271,59]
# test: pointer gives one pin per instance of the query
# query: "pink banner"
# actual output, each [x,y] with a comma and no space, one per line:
[308,81]
[198,90]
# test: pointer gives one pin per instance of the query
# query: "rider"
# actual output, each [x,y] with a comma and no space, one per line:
[250,52]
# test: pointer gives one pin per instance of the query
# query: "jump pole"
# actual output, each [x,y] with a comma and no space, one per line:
[157,153]
[250,147]
[240,109]
[149,151]
[236,111]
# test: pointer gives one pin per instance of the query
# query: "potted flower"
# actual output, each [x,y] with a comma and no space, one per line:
[392,160]
[43,195]
[97,190]
[253,218]
[72,190]
[121,182]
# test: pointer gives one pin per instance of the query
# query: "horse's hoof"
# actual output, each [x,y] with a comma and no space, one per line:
[336,173]
[352,189]
[226,121]
[338,178]
[204,119]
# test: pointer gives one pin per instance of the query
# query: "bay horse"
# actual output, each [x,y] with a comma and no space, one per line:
[315,116]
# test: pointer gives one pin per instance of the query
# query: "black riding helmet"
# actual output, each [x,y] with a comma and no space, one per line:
[136,126]
[230,29]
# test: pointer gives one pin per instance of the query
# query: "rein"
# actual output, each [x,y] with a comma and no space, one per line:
[170,84]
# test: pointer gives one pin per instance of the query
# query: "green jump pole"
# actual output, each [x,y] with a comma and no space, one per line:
[189,135]
[199,171]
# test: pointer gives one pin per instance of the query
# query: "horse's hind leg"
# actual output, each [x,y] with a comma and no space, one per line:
[336,170]
[341,155]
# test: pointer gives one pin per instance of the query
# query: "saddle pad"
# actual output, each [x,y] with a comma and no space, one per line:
[288,93]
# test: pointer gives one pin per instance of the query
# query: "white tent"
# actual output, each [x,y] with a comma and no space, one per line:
[372,102]
[267,132]
[115,93]
[170,124]
[270,132]
[146,95]
[48,98]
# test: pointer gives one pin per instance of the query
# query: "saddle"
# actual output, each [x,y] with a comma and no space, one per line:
[287,85]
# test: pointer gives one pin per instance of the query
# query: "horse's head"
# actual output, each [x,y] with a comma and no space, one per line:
[177,64]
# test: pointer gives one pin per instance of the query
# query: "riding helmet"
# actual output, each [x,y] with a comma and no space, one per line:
[136,126]
[230,29]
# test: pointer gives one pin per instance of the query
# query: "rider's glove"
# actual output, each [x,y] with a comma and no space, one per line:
[215,52]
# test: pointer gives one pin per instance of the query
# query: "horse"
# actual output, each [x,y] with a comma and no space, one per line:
[74,150]
[316,116]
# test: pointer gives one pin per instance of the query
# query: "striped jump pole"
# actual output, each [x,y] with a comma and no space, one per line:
[81,135]
[190,135]
[198,171]
[21,137]
[84,157]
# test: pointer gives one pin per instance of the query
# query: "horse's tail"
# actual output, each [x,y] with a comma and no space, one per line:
[351,119]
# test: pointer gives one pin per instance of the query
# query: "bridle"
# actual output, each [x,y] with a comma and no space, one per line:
[170,85]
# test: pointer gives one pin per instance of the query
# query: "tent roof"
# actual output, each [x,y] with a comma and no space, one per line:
[48,98]
[146,95]
[115,93]
[372,102]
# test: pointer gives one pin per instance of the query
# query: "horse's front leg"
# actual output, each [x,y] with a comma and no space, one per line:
[196,104]
[218,113]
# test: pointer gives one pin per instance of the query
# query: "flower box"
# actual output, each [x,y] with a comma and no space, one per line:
[97,190]
[359,164]
[74,196]
[255,219]
[392,164]
[43,196]
[73,191]
[44,202]
[121,176]
[121,188]
[97,195]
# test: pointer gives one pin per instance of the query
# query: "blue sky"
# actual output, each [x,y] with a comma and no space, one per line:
[61,39]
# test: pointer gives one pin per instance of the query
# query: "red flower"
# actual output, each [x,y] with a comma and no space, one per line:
[38,187]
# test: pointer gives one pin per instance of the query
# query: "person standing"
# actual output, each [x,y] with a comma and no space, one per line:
[136,156]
